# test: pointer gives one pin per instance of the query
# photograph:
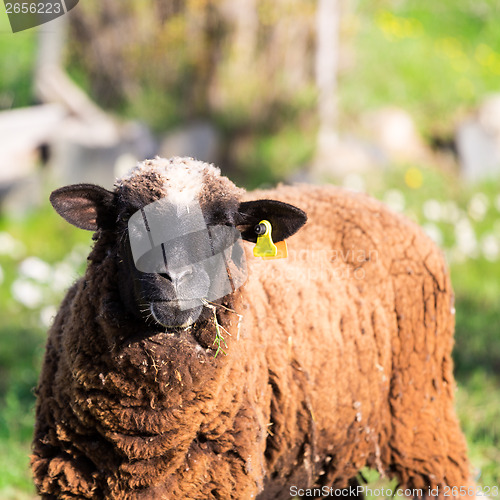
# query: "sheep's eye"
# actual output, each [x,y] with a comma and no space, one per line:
[124,217]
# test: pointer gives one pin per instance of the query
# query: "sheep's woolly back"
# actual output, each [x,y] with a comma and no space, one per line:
[360,359]
[342,360]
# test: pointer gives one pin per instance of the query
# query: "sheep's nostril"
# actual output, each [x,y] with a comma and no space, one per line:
[177,276]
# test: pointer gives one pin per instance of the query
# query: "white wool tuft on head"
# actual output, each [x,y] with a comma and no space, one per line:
[182,177]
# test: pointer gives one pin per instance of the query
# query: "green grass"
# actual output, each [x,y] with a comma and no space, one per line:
[434,59]
[17,59]
[21,351]
[479,413]
[477,337]
[22,334]
[477,369]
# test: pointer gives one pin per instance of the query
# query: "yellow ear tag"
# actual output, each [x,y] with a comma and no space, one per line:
[265,247]
[282,251]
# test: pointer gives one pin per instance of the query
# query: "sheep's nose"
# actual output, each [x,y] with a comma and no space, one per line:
[176,277]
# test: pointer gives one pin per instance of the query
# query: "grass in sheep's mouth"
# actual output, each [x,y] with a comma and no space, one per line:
[219,339]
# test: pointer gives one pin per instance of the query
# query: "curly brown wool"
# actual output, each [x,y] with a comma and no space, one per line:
[342,360]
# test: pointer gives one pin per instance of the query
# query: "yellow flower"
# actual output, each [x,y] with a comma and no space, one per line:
[413,178]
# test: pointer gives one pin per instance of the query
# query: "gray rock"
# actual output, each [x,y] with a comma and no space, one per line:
[22,131]
[478,151]
[22,195]
[478,141]
[489,115]
[347,155]
[76,160]
[394,132]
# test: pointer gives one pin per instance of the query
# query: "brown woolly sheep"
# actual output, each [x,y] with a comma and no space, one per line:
[339,355]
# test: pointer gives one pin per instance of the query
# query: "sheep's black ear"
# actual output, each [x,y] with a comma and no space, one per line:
[86,206]
[285,219]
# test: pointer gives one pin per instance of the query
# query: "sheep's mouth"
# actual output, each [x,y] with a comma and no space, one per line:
[176,312]
[182,304]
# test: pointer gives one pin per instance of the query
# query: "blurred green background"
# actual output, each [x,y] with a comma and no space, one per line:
[435,60]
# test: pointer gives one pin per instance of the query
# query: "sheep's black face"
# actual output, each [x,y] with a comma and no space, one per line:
[177,258]
[177,227]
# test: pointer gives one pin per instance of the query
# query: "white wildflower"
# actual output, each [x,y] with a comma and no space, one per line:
[395,199]
[478,206]
[47,315]
[10,246]
[497,202]
[27,293]
[456,255]
[434,233]
[354,182]
[64,276]
[490,247]
[450,212]
[36,269]
[432,210]
[496,227]
[78,255]
[465,237]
